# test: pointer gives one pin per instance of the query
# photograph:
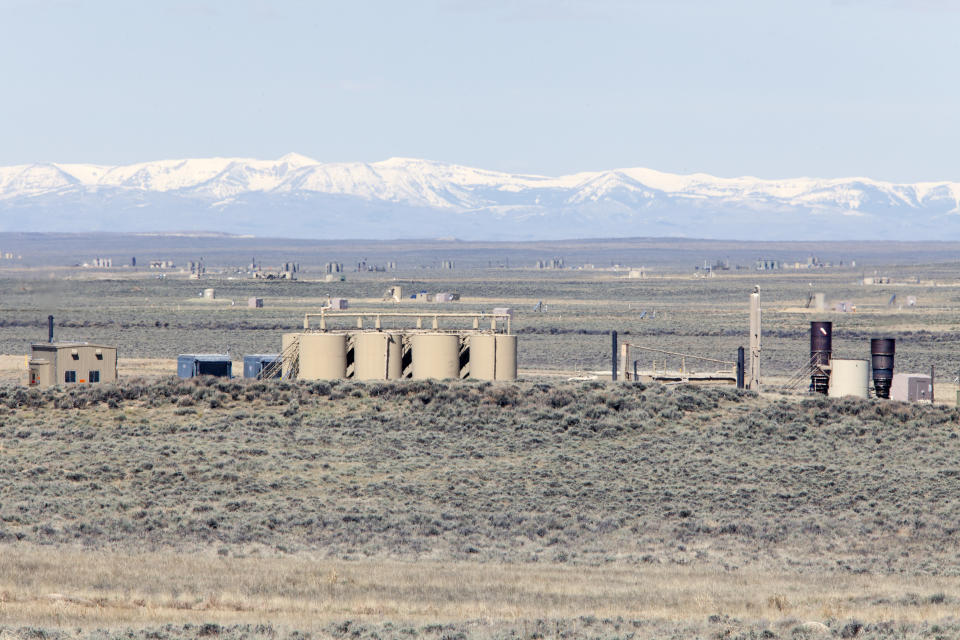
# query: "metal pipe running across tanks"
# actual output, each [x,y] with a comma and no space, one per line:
[360,315]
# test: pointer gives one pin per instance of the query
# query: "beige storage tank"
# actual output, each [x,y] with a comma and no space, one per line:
[323,356]
[377,356]
[483,356]
[506,357]
[848,378]
[493,357]
[435,355]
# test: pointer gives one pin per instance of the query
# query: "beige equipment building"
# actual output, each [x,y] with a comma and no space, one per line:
[71,363]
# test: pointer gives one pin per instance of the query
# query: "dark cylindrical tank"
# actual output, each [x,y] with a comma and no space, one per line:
[740,367]
[821,347]
[881,355]
[49,328]
[613,360]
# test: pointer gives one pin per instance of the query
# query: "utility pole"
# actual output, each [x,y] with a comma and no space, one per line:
[755,339]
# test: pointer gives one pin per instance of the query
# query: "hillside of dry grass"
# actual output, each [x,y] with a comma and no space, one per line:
[724,514]
[587,474]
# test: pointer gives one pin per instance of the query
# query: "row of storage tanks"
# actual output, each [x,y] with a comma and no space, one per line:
[387,355]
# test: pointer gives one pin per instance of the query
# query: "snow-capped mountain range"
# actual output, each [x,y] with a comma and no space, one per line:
[296,196]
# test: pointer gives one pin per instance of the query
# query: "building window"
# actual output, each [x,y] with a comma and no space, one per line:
[94,376]
[69,376]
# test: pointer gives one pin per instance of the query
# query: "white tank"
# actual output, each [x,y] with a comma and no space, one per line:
[323,356]
[435,355]
[377,356]
[848,378]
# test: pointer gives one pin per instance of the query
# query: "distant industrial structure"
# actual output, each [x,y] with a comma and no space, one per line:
[442,296]
[393,293]
[197,269]
[286,271]
[364,266]
[553,263]
[338,304]
[812,262]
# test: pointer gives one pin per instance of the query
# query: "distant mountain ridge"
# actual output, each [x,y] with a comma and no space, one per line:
[297,196]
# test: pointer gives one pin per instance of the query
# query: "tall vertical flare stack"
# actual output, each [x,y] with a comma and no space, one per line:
[881,354]
[821,349]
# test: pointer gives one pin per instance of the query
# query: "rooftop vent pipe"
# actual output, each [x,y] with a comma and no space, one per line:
[821,348]
[49,328]
[881,354]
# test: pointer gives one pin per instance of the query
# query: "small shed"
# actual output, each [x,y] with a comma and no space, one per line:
[204,364]
[338,304]
[253,365]
[255,303]
[209,294]
[503,311]
[71,363]
[911,387]
[446,296]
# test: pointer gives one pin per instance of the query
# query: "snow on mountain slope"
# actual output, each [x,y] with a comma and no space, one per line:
[34,179]
[451,199]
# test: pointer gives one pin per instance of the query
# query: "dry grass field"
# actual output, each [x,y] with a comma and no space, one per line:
[70,588]
[160,508]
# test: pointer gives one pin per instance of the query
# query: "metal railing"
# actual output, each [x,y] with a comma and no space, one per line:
[286,366]
[626,347]
[377,316]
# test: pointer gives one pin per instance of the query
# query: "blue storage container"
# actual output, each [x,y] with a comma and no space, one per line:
[253,365]
[204,364]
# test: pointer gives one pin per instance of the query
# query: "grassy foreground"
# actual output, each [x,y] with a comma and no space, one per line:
[419,509]
[69,588]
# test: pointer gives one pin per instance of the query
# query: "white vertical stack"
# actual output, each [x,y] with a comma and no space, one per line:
[755,339]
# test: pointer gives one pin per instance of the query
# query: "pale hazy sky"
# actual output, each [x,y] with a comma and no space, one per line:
[764,87]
